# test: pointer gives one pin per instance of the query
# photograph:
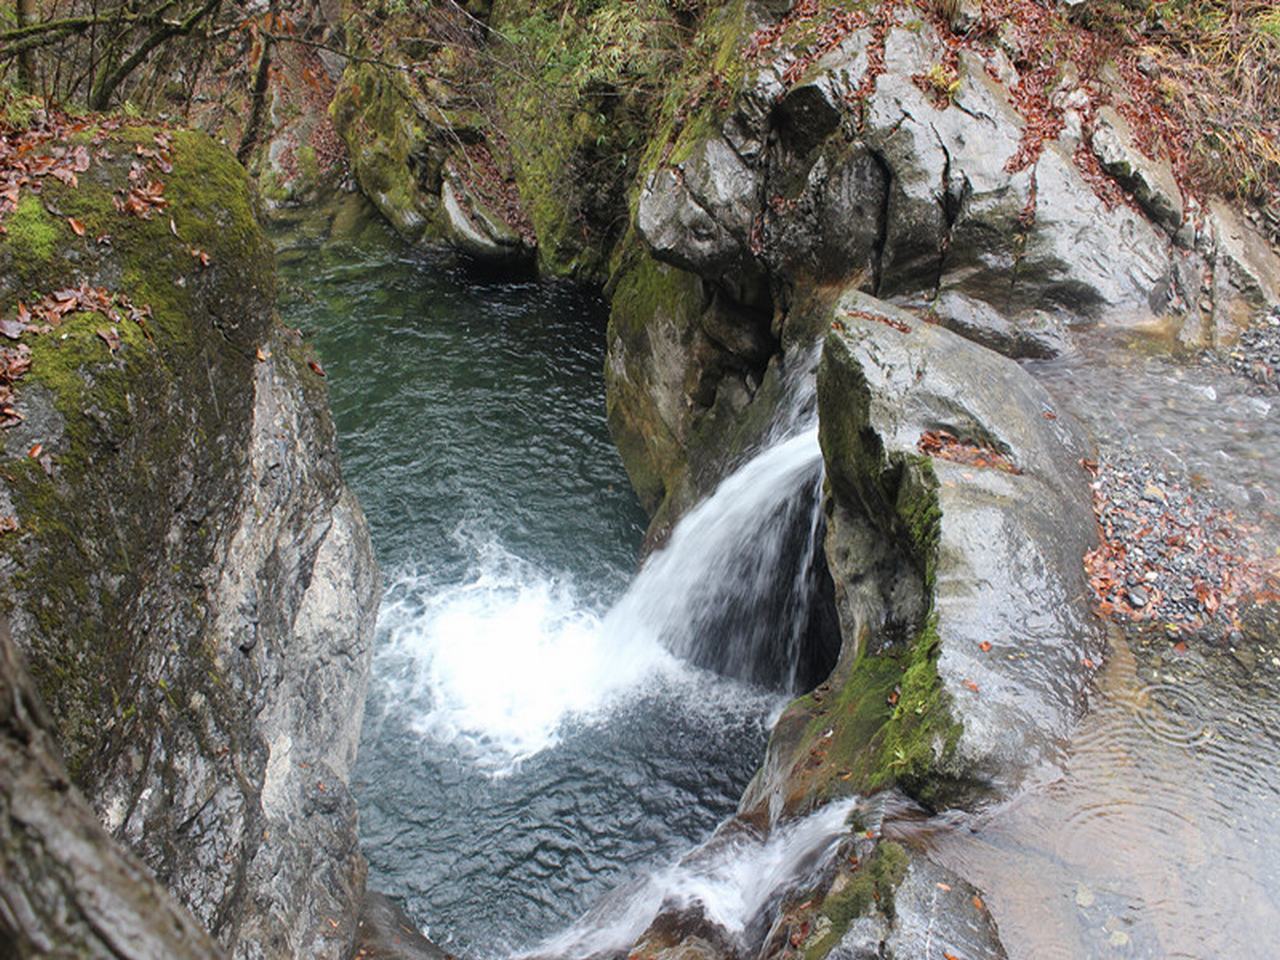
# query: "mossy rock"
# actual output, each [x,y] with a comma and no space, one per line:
[141,438]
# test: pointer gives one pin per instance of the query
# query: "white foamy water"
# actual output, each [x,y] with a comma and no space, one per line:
[733,878]
[498,663]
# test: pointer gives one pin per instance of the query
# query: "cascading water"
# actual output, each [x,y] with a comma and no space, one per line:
[733,880]
[732,590]
[526,745]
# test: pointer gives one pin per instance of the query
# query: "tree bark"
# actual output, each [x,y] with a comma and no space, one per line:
[107,82]
[28,15]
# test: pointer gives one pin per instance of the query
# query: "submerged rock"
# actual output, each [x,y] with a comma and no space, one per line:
[385,932]
[192,583]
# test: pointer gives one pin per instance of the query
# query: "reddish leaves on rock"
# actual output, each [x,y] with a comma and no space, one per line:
[14,363]
[878,318]
[946,446]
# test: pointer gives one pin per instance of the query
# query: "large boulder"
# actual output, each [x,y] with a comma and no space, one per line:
[192,583]
[67,889]
[959,517]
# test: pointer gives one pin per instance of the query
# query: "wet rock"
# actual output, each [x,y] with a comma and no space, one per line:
[698,215]
[385,932]
[1151,182]
[67,887]
[1036,335]
[1246,272]
[971,567]
[935,909]
[475,229]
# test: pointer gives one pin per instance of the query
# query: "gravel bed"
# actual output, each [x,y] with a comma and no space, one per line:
[1169,553]
[1256,355]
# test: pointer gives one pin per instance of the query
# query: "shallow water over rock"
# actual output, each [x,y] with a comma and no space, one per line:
[1159,835]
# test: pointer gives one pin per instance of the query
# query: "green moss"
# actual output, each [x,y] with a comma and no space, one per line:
[32,234]
[126,427]
[917,508]
[871,887]
[373,112]
[646,293]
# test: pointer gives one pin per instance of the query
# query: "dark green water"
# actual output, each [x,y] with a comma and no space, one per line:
[515,763]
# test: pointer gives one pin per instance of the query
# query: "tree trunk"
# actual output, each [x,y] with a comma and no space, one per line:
[28,15]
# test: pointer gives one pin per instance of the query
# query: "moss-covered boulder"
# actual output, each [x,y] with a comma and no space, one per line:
[191,581]
[416,169]
[958,518]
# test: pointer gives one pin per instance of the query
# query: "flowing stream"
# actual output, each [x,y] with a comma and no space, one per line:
[544,726]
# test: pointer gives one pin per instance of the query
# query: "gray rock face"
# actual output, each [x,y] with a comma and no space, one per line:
[246,814]
[387,933]
[698,215]
[67,889]
[1151,182]
[194,586]
[1009,598]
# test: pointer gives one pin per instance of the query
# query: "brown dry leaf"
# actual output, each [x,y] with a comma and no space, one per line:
[985,646]
[262,355]
[316,368]
[35,451]
[76,226]
[111,337]
[8,524]
[978,904]
[971,685]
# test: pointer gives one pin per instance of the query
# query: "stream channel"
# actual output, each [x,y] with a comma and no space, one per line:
[524,751]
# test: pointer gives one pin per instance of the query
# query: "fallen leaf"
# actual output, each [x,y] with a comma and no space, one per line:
[76,226]
[971,685]
[8,524]
[35,451]
[946,887]
[978,904]
[12,329]
[985,646]
[1087,663]
[262,356]
[1180,647]
[111,337]
[316,368]
[173,228]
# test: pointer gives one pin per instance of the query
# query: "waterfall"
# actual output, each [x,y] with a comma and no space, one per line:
[734,881]
[738,585]
[497,663]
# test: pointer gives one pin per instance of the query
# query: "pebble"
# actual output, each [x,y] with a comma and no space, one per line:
[1256,355]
